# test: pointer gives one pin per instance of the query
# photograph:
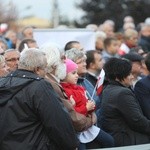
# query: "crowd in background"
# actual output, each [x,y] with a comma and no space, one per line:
[61,106]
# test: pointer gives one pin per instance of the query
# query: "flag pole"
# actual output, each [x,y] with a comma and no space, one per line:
[100,77]
[94,91]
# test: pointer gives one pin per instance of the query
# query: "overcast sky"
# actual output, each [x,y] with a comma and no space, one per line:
[43,8]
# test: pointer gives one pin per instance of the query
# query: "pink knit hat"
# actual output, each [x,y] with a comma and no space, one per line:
[70,65]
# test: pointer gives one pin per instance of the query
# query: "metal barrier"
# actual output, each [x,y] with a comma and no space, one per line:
[134,147]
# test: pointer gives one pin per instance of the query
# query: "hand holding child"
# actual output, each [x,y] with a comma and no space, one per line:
[72,101]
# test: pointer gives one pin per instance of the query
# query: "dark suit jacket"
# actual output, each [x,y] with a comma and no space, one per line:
[142,92]
[144,42]
[91,78]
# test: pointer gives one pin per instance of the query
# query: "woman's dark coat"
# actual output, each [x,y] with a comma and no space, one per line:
[122,117]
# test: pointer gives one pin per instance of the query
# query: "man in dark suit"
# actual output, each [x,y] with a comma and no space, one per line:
[94,65]
[142,90]
[144,40]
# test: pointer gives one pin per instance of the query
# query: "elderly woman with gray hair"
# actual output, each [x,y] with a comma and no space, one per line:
[79,58]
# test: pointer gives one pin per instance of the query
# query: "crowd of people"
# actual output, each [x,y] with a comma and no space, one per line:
[48,97]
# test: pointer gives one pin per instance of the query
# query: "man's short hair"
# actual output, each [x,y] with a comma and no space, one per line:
[25,41]
[133,57]
[25,28]
[10,50]
[90,57]
[32,58]
[69,45]
[108,41]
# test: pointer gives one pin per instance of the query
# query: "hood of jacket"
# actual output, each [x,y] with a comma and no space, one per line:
[14,82]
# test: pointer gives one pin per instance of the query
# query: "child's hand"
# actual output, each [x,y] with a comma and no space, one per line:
[90,105]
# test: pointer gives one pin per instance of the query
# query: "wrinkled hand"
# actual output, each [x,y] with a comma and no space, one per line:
[72,101]
[94,118]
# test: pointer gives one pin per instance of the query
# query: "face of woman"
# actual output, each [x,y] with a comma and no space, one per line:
[81,66]
[128,80]
[3,69]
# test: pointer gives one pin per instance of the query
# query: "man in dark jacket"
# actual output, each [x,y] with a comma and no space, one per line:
[31,115]
[144,40]
[142,90]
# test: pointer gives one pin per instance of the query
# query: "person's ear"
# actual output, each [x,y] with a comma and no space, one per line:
[54,67]
[92,65]
[36,70]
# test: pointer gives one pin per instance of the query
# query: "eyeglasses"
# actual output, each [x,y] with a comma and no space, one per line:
[13,59]
[81,61]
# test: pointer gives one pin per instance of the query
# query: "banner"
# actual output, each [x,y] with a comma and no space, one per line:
[85,36]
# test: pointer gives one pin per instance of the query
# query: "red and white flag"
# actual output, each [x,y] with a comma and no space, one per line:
[100,81]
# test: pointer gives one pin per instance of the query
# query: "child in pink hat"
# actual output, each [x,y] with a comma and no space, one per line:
[76,93]
[77,96]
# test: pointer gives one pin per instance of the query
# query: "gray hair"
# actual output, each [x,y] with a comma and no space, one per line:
[145,26]
[74,54]
[130,33]
[32,58]
[2,59]
[53,55]
[100,34]
[11,50]
[4,42]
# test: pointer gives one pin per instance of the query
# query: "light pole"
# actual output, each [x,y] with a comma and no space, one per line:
[55,13]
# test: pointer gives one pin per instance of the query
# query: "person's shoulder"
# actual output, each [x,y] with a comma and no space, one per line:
[88,83]
[145,81]
[42,83]
[90,75]
[117,88]
[146,78]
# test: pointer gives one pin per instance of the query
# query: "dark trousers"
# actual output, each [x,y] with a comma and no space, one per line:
[103,140]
